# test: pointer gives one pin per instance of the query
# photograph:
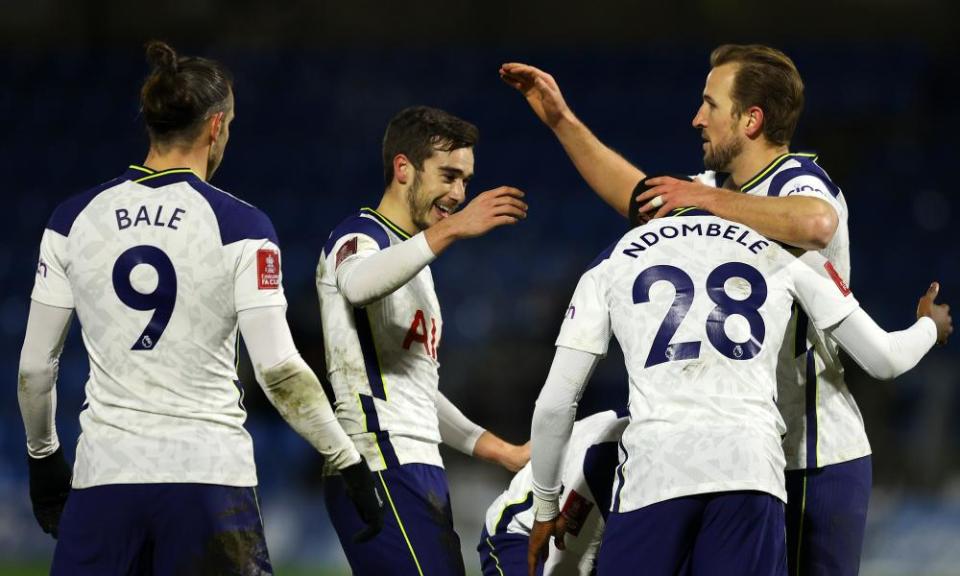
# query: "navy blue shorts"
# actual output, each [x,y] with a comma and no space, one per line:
[735,533]
[417,537]
[161,529]
[827,516]
[504,554]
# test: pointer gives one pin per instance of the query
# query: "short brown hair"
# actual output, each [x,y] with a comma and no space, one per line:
[767,78]
[180,93]
[417,131]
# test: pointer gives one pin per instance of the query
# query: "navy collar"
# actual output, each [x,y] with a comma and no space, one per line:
[155,179]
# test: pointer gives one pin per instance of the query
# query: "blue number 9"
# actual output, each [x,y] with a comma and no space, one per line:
[161,300]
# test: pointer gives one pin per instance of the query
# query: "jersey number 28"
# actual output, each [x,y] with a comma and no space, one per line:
[161,300]
[663,350]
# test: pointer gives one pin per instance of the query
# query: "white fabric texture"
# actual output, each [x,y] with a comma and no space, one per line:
[456,430]
[366,279]
[884,355]
[47,328]
[553,419]
[291,385]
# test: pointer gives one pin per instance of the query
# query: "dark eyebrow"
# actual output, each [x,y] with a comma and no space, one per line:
[709,99]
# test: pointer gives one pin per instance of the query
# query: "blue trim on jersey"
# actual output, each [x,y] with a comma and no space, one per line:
[65,214]
[615,507]
[800,333]
[382,437]
[689,211]
[358,224]
[368,349]
[599,466]
[237,219]
[807,168]
[811,409]
[511,511]
[602,256]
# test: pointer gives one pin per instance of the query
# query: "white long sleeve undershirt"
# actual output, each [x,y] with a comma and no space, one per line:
[291,385]
[47,328]
[369,278]
[456,430]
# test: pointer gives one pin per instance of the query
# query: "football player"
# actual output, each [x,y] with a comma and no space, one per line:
[162,269]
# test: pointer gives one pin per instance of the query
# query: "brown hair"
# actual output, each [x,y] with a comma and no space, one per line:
[417,131]
[767,78]
[181,93]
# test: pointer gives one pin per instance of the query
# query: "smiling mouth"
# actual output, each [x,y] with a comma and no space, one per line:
[444,211]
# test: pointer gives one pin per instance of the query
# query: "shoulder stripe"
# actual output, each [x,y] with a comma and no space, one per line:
[773,166]
[602,256]
[360,223]
[64,215]
[236,219]
[386,222]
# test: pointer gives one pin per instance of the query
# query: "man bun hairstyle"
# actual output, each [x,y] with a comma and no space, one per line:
[181,93]
[767,78]
[418,131]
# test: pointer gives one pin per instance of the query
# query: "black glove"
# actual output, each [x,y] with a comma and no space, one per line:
[365,496]
[49,488]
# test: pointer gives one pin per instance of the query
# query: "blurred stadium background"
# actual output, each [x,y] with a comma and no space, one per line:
[316,83]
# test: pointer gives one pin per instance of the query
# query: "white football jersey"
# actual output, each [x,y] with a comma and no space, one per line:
[700,307]
[588,468]
[157,265]
[824,425]
[382,357]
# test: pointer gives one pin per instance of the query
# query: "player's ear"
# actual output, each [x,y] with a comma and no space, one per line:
[216,126]
[754,121]
[402,169]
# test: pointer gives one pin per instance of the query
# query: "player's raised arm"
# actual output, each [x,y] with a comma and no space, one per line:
[36,392]
[295,391]
[610,175]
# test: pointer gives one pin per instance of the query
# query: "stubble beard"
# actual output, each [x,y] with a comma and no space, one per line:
[418,204]
[719,157]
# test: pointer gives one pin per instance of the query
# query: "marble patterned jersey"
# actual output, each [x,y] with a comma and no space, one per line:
[157,265]
[382,357]
[824,425]
[700,307]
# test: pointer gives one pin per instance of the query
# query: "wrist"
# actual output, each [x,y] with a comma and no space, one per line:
[442,234]
[545,509]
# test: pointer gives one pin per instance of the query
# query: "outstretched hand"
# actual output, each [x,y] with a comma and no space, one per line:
[939,313]
[539,88]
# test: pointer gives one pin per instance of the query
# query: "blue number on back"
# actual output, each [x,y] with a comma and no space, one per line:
[161,300]
[662,351]
[727,306]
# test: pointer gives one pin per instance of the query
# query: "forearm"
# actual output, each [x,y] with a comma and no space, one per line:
[291,386]
[37,375]
[799,221]
[456,430]
[296,393]
[365,280]
[553,419]
[609,174]
[884,355]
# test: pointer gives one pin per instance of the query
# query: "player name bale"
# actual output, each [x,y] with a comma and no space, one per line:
[731,232]
[146,217]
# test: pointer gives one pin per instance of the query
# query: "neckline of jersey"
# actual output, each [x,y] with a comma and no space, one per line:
[386,222]
[150,174]
[766,171]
